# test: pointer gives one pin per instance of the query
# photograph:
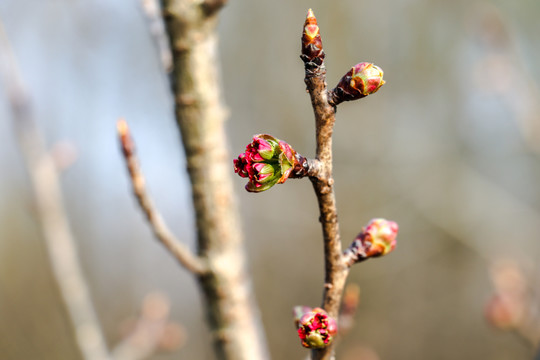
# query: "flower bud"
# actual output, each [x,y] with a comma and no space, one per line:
[378,238]
[268,161]
[363,79]
[261,148]
[316,329]
[504,312]
[240,166]
[312,50]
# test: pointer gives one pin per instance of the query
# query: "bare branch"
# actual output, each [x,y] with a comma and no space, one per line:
[184,256]
[59,240]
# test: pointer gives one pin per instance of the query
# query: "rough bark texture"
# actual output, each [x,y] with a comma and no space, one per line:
[233,318]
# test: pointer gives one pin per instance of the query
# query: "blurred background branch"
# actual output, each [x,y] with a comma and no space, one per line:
[61,245]
[185,257]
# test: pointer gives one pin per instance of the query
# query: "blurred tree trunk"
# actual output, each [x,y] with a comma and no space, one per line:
[233,318]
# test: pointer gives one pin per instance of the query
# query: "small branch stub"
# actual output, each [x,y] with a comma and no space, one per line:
[362,80]
[378,238]
[268,161]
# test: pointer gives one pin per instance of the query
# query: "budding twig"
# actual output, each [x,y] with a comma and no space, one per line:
[336,270]
[184,256]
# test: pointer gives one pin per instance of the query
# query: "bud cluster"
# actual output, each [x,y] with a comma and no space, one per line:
[268,161]
[312,50]
[315,328]
[363,79]
[378,238]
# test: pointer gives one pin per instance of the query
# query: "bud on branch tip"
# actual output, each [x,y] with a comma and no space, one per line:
[315,328]
[128,146]
[268,161]
[312,49]
[378,238]
[363,79]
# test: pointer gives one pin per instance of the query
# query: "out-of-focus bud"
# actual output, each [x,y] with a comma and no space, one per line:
[349,305]
[269,161]
[378,238]
[316,329]
[510,306]
[363,79]
[312,50]
[503,312]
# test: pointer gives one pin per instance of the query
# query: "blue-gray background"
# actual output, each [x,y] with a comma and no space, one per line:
[448,148]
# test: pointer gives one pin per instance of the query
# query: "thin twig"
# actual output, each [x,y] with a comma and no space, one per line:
[59,239]
[182,253]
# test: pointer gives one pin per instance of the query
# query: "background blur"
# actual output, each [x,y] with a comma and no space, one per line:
[448,148]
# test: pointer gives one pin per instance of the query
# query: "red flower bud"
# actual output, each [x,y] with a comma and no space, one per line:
[378,238]
[268,161]
[504,312]
[261,148]
[363,79]
[240,165]
[316,329]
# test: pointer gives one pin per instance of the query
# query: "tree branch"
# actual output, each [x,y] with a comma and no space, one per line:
[59,239]
[232,315]
[181,253]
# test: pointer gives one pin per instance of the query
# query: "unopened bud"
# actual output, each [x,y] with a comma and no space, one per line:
[316,329]
[503,312]
[312,50]
[268,161]
[363,79]
[378,238]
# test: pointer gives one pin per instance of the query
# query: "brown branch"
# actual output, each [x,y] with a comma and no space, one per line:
[336,270]
[59,239]
[181,253]
[233,318]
